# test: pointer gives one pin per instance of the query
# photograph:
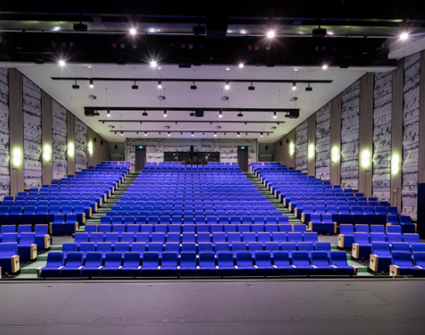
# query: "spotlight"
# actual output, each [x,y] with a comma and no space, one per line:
[243,31]
[241,65]
[153,64]
[108,113]
[134,87]
[181,133]
[165,113]
[324,66]
[227,68]
[274,115]
[56,28]
[240,114]
[215,134]
[246,134]
[61,63]
[144,113]
[227,86]
[133,31]
[91,84]
[261,135]
[159,84]
[193,87]
[294,86]
[308,88]
[220,114]
[146,133]
[192,133]
[76,86]
[270,34]
[239,134]
[404,36]
[251,88]
[169,134]
[122,133]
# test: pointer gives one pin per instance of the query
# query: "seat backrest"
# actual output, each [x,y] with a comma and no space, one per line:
[392,238]
[362,228]
[10,238]
[27,239]
[207,259]
[244,259]
[393,229]
[402,259]
[87,246]
[188,259]
[361,238]
[377,229]
[93,259]
[305,246]
[311,237]
[411,238]
[281,258]
[418,247]
[104,246]
[113,259]
[131,259]
[346,229]
[319,258]
[8,229]
[381,249]
[24,228]
[338,258]
[8,250]
[55,259]
[377,237]
[150,259]
[74,259]
[300,258]
[419,259]
[169,259]
[323,246]
[295,237]
[66,247]
[262,258]
[225,259]
[285,228]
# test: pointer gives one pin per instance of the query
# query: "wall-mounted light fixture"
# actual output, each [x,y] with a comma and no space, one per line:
[395,164]
[291,149]
[90,148]
[70,149]
[47,152]
[17,157]
[335,154]
[365,158]
[311,151]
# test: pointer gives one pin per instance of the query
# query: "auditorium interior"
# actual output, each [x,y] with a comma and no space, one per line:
[208,167]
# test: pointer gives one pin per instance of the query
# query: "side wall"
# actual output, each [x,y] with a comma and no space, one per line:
[40,125]
[368,137]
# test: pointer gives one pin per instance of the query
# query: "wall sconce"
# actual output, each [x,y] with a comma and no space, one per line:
[335,154]
[47,152]
[311,151]
[71,149]
[395,164]
[365,158]
[291,149]
[90,148]
[17,157]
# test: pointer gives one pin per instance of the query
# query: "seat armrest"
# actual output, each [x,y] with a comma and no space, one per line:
[33,251]
[335,227]
[341,240]
[355,250]
[236,267]
[120,267]
[394,270]
[39,271]
[16,266]
[46,241]
[373,262]
[80,267]
[256,267]
[355,269]
[273,266]
[314,266]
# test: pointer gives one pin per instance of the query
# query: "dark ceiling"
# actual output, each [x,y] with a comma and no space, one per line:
[358,32]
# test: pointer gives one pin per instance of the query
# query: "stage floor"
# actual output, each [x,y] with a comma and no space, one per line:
[261,307]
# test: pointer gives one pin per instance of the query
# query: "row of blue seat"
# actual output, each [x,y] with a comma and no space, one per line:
[222,264]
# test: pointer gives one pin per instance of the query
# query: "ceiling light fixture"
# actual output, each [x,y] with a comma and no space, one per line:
[324,67]
[226,86]
[193,87]
[240,114]
[220,114]
[294,86]
[56,28]
[159,84]
[251,88]
[215,134]
[122,133]
[146,133]
[169,134]
[270,34]
[404,36]
[145,113]
[192,133]
[261,135]
[61,63]
[309,88]
[165,113]
[91,83]
[133,31]
[108,113]
[274,115]
[153,64]
[76,86]
[134,87]
[239,134]
[241,65]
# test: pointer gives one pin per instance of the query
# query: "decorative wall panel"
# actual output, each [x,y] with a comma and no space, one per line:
[301,143]
[80,145]
[32,134]
[323,142]
[350,136]
[59,141]
[382,96]
[156,147]
[4,134]
[410,135]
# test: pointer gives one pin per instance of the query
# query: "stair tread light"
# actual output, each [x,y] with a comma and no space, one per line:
[226,86]
[90,148]
[395,164]
[241,65]
[220,114]
[335,154]
[159,84]
[133,31]
[274,115]
[294,86]
[91,83]
[46,152]
[70,152]
[61,63]
[311,151]
[153,64]
[270,34]
[365,158]
[404,36]
[165,113]
[291,149]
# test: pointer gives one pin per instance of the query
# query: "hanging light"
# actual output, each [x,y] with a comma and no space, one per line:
[239,134]
[91,83]
[122,133]
[220,114]
[165,113]
[215,134]
[169,134]
[146,133]
[261,135]
[274,115]
[226,86]
[294,86]
[108,113]
[159,84]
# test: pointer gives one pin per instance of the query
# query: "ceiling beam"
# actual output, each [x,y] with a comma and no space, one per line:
[190,131]
[189,121]
[189,109]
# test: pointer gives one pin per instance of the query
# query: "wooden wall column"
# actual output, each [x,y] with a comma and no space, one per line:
[366,132]
[16,126]
[422,121]
[335,170]
[70,125]
[311,140]
[100,148]
[46,137]
[397,132]
[281,153]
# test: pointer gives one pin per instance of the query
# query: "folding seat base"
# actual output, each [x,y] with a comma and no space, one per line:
[208,271]
[187,272]
[110,272]
[70,272]
[324,270]
[246,271]
[70,227]
[285,271]
[90,272]
[380,264]
[404,271]
[56,228]
[227,271]
[266,271]
[129,272]
[304,270]
[149,272]
[316,227]
[329,228]
[168,271]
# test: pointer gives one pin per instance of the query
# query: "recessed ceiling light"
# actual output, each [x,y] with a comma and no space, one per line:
[270,34]
[243,31]
[404,36]
[153,64]
[226,86]
[241,65]
[330,33]
[324,67]
[61,63]
[133,31]
[227,68]
[294,86]
[152,30]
